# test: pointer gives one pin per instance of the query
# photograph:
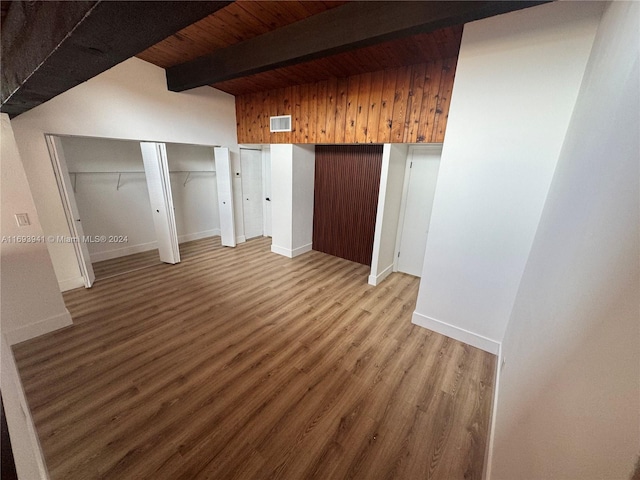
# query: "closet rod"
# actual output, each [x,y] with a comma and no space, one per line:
[188,172]
[142,171]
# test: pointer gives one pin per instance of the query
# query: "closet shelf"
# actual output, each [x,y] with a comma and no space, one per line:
[124,172]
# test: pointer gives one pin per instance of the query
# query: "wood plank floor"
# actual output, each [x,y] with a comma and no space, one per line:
[242,364]
[129,263]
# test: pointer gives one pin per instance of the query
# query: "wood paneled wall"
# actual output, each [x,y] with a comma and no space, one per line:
[401,105]
[347,180]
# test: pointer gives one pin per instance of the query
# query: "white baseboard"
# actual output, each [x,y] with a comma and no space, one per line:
[190,237]
[145,247]
[289,253]
[241,239]
[71,283]
[457,333]
[123,252]
[33,330]
[488,459]
[300,250]
[282,251]
[377,279]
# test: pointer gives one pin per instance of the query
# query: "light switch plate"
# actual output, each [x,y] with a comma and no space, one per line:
[22,219]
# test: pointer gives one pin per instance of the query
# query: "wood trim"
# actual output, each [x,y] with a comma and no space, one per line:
[331,32]
[401,105]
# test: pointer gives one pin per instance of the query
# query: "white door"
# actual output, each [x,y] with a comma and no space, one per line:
[251,165]
[71,209]
[156,169]
[225,196]
[266,190]
[423,163]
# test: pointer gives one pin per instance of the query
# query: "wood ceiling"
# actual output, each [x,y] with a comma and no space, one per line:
[243,20]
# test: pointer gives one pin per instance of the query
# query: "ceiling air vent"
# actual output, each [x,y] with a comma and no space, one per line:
[281,123]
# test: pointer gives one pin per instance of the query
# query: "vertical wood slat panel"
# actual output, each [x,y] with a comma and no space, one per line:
[401,99]
[347,181]
[330,120]
[321,113]
[402,105]
[429,99]
[362,108]
[386,106]
[313,113]
[377,84]
[352,108]
[341,109]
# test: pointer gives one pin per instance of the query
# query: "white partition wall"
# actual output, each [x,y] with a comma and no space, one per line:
[423,164]
[394,157]
[292,179]
[571,378]
[516,84]
[156,168]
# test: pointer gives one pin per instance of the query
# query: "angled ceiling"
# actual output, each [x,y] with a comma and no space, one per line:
[252,46]
[239,47]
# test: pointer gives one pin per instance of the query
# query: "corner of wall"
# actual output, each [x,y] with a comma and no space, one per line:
[28,456]
[33,330]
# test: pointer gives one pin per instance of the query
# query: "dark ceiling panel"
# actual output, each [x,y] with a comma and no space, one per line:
[349,27]
[238,22]
[49,47]
[441,44]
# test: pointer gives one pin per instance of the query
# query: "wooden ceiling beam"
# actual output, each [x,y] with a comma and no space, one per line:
[354,25]
[49,47]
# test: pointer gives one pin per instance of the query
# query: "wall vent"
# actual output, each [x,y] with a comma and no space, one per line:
[281,123]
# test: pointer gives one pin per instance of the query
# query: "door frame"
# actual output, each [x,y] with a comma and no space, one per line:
[155,161]
[266,204]
[262,169]
[61,174]
[405,194]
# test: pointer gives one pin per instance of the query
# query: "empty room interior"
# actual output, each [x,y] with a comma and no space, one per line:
[320,239]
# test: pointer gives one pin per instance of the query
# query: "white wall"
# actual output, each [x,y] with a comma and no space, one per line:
[31,302]
[104,209]
[569,404]
[196,201]
[394,160]
[292,177]
[125,211]
[516,83]
[129,101]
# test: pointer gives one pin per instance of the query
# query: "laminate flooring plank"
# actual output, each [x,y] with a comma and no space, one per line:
[241,364]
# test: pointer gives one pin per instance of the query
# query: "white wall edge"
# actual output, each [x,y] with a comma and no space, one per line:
[488,458]
[22,432]
[42,327]
[286,252]
[241,239]
[382,195]
[377,279]
[71,284]
[457,333]
[300,250]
